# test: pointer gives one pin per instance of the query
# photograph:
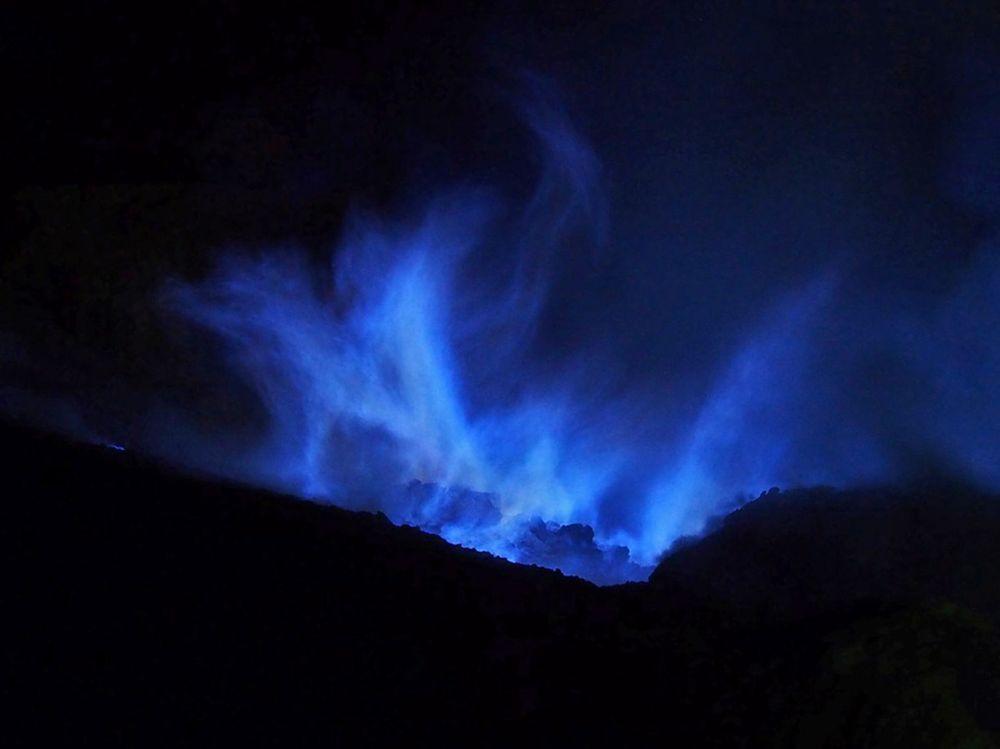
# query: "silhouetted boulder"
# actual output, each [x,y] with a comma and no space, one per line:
[435,507]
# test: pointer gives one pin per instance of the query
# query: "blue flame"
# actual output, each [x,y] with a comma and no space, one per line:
[373,374]
[365,389]
[400,377]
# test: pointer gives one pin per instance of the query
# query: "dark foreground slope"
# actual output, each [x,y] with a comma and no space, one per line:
[811,553]
[144,608]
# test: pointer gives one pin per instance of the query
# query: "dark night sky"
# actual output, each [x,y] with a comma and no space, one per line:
[741,146]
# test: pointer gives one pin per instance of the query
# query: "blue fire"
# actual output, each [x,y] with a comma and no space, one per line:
[398,379]
[403,377]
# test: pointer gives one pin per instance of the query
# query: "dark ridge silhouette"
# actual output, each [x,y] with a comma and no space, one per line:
[147,608]
[809,552]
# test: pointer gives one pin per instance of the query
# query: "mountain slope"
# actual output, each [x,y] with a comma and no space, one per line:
[146,608]
[808,552]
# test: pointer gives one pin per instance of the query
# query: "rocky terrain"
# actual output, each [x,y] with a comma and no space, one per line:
[147,608]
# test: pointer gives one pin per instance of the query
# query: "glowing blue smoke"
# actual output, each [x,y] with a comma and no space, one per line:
[365,369]
[360,372]
[399,378]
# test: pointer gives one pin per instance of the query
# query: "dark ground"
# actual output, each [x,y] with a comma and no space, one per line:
[146,608]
